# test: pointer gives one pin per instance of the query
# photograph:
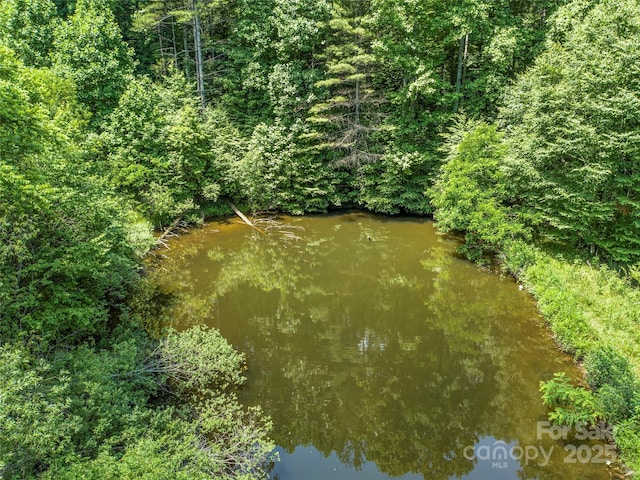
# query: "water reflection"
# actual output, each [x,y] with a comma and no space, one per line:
[374,347]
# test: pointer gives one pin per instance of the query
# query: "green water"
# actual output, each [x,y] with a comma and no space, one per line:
[378,352]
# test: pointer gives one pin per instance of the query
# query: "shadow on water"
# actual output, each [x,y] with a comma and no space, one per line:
[377,351]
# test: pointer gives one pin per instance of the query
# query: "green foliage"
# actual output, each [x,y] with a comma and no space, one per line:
[53,410]
[167,446]
[573,120]
[42,121]
[347,113]
[517,256]
[26,26]
[335,65]
[65,252]
[592,312]
[395,184]
[277,175]
[562,304]
[87,412]
[588,307]
[33,425]
[370,83]
[65,256]
[65,120]
[22,121]
[88,48]
[627,435]
[198,360]
[418,49]
[614,382]
[269,68]
[470,193]
[159,151]
[572,406]
[78,399]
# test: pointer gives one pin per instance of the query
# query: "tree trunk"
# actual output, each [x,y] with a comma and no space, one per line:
[175,46]
[164,65]
[187,59]
[464,59]
[357,102]
[244,218]
[461,53]
[197,41]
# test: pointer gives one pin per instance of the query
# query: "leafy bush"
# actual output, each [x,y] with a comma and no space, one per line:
[65,257]
[158,150]
[572,120]
[35,419]
[93,413]
[196,360]
[275,174]
[89,49]
[562,304]
[470,193]
[517,256]
[572,406]
[627,436]
[395,184]
[593,312]
[27,27]
[614,382]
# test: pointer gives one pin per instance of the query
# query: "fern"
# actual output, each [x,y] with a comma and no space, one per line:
[571,405]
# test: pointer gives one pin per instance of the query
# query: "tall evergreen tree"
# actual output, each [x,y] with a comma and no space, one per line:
[348,115]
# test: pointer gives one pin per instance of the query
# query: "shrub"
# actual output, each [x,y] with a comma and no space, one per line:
[571,405]
[610,375]
[470,193]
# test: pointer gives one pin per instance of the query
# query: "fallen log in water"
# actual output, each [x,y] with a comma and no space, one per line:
[245,219]
[168,231]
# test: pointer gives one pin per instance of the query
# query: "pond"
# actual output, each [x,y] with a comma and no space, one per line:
[377,351]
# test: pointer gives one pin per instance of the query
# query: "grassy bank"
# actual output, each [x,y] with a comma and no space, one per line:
[594,314]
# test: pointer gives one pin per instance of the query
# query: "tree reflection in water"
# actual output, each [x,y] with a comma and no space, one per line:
[370,338]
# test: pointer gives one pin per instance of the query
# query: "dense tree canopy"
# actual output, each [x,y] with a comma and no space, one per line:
[89,50]
[572,123]
[509,121]
[27,27]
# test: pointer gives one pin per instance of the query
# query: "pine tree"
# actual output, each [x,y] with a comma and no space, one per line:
[349,115]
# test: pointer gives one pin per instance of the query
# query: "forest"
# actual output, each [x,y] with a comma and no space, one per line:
[513,123]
